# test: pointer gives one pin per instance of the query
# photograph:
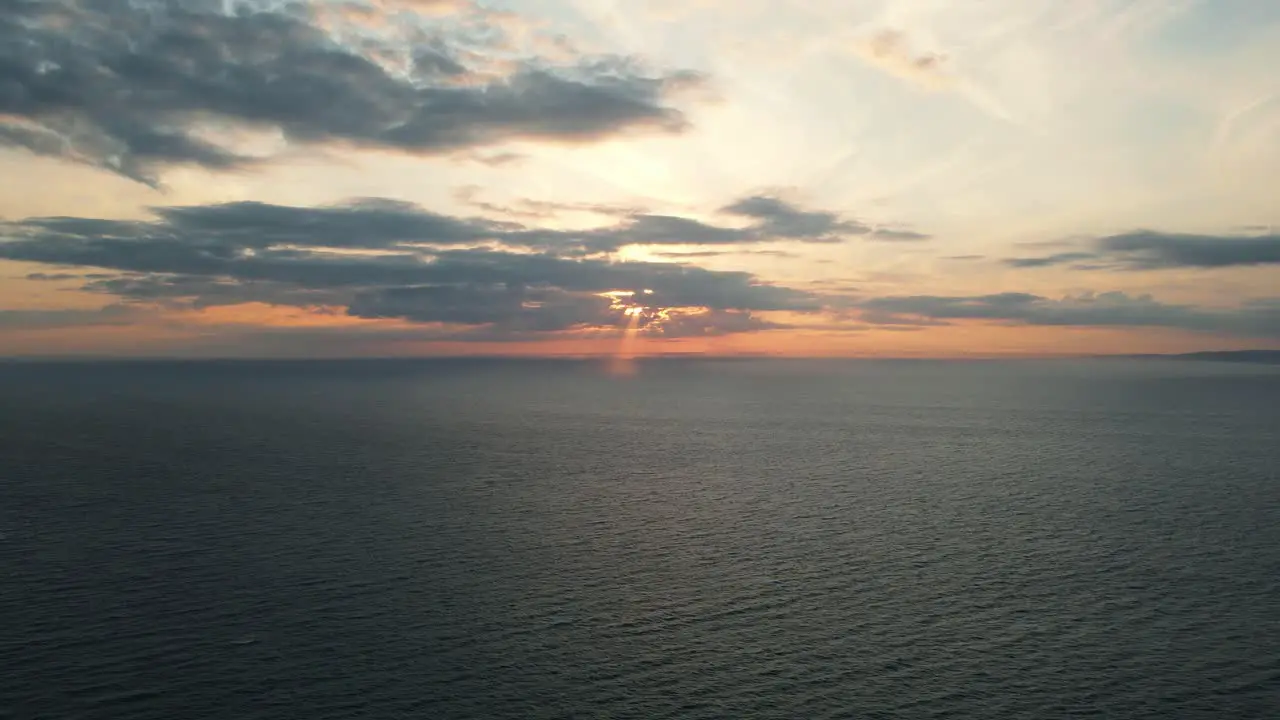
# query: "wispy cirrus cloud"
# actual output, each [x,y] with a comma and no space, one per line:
[891,50]
[527,209]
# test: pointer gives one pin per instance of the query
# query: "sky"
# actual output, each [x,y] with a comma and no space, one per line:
[340,178]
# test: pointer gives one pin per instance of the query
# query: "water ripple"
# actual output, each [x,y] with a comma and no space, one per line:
[699,541]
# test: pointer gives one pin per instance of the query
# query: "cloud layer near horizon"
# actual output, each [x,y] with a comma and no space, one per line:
[384,259]
[496,280]
[1257,318]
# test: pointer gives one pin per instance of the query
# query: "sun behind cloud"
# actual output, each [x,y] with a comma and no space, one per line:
[427,176]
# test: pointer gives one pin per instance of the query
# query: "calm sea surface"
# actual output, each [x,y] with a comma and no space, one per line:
[702,539]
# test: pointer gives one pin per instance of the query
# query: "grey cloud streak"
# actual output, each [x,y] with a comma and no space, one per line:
[1258,318]
[1146,249]
[382,224]
[782,219]
[1154,250]
[899,235]
[124,85]
[1049,260]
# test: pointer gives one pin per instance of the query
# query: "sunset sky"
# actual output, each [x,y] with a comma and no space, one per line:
[218,178]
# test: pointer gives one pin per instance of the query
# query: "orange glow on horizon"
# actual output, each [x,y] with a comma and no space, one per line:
[257,329]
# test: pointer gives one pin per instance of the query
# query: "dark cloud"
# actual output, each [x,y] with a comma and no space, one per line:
[209,233]
[782,219]
[381,259]
[203,292]
[367,223]
[1152,250]
[1147,249]
[1257,318]
[773,220]
[899,235]
[125,85]
[778,218]
[313,269]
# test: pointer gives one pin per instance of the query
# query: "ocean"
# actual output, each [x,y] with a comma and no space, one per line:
[695,539]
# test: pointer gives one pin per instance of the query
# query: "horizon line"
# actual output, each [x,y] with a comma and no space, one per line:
[580,357]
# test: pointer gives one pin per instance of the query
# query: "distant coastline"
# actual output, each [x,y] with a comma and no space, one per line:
[1270,357]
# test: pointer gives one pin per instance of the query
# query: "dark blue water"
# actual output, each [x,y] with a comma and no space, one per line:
[749,539]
